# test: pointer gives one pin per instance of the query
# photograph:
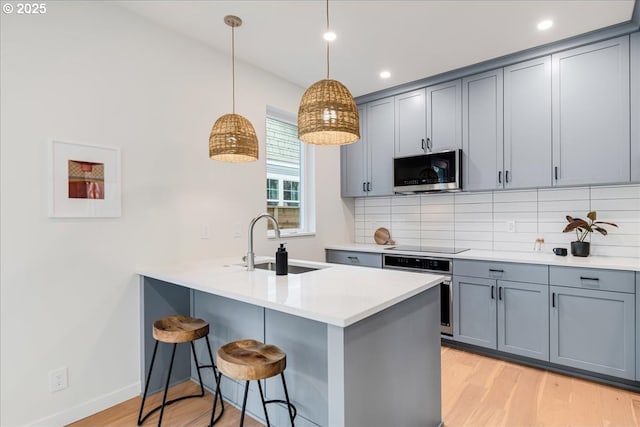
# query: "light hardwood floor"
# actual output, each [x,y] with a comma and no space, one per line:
[476,391]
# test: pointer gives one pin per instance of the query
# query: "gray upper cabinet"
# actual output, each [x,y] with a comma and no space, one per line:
[380,137]
[527,125]
[482,132]
[590,104]
[444,116]
[353,161]
[410,127]
[635,109]
[367,165]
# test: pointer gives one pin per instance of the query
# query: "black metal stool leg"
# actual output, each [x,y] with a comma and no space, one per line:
[195,359]
[292,413]
[244,403]
[166,387]
[146,386]
[264,404]
[217,376]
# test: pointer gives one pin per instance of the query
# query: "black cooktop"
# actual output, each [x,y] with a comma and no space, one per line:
[433,249]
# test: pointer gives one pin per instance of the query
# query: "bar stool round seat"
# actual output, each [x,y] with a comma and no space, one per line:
[252,360]
[178,330]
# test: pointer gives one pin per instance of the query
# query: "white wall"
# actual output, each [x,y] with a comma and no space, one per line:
[480,220]
[92,72]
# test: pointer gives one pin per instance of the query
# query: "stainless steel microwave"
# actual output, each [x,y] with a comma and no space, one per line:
[440,171]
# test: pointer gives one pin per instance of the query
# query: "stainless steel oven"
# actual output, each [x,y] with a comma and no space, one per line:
[428,264]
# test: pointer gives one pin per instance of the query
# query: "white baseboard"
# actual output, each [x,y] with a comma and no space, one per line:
[89,408]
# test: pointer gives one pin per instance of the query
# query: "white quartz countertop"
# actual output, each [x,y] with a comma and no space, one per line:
[593,261]
[339,295]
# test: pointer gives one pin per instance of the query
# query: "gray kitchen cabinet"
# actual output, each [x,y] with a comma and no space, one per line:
[637,326]
[590,105]
[410,123]
[444,116]
[592,320]
[523,319]
[482,130]
[474,311]
[502,306]
[635,107]
[367,165]
[363,259]
[527,125]
[353,161]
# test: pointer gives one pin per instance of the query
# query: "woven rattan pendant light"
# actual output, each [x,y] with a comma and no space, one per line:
[233,138]
[327,114]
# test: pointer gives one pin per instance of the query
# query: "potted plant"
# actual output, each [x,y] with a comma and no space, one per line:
[583,229]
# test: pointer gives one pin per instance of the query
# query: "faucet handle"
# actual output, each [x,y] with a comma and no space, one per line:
[244,258]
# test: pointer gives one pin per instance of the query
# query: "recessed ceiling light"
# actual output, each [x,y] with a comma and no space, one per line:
[545,25]
[329,36]
[385,74]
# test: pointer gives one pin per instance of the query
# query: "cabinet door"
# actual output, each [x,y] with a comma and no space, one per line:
[635,108]
[482,131]
[637,326]
[523,319]
[590,96]
[527,124]
[410,118]
[474,311]
[593,330]
[380,136]
[444,116]
[353,161]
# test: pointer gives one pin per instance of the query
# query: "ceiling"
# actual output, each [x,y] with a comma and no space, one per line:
[412,39]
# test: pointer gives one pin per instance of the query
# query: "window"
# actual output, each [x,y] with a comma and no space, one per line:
[289,190]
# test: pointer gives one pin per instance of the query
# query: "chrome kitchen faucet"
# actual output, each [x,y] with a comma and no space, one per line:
[250,254]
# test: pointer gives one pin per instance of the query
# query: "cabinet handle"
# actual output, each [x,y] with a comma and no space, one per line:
[493,270]
[506,176]
[500,293]
[364,187]
[555,171]
[352,258]
[423,147]
[493,292]
[589,278]
[499,177]
[429,144]
[553,299]
[368,186]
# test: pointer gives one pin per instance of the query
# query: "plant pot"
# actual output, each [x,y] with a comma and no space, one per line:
[580,248]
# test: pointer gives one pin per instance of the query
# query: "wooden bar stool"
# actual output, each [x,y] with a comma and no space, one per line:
[176,330]
[252,360]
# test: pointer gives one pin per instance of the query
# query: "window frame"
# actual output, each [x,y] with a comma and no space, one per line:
[306,186]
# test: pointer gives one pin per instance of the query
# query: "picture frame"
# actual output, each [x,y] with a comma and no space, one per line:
[84,181]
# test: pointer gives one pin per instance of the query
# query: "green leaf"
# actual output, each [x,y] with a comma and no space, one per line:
[608,223]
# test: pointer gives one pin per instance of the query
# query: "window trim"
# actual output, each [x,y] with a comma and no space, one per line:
[307,189]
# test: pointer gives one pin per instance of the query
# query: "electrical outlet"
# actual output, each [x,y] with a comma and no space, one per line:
[511,226]
[204,231]
[58,379]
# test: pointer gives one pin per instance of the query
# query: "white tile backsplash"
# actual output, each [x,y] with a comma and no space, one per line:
[481,220]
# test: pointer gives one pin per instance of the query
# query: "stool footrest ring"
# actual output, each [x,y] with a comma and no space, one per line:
[284,402]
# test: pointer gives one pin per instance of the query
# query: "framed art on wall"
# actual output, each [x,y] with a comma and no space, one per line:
[84,181]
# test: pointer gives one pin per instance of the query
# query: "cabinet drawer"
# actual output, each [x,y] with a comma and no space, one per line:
[592,278]
[364,259]
[531,273]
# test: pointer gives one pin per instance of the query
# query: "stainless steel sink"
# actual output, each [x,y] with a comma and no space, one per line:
[293,269]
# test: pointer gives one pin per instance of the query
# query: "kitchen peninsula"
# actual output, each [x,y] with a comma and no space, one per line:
[362,344]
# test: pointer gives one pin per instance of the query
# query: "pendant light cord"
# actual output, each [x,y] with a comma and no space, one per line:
[328,41]
[233,68]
